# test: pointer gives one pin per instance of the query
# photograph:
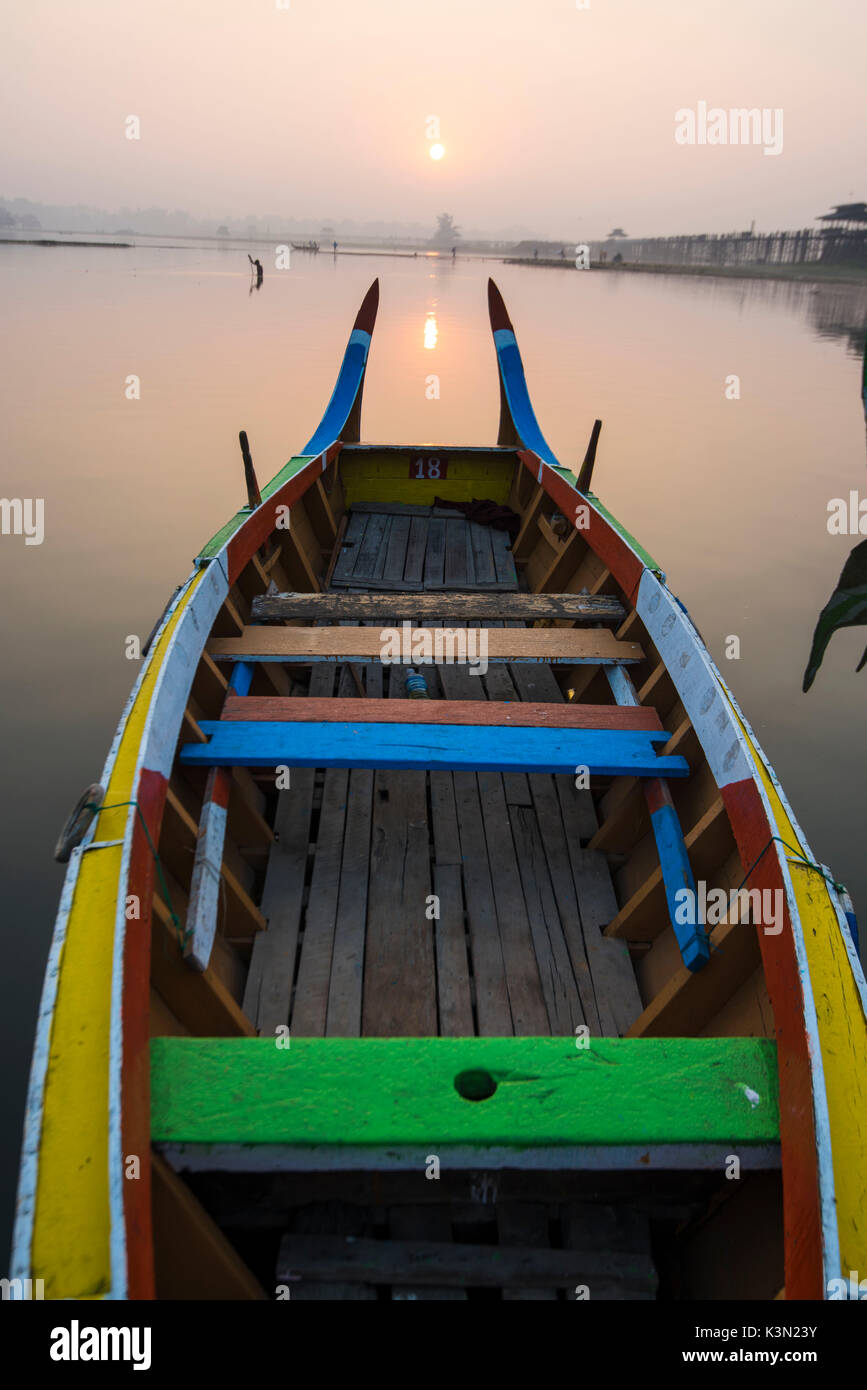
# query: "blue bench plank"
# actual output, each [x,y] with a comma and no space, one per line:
[447,747]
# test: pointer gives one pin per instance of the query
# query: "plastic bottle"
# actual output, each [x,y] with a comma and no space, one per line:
[416,686]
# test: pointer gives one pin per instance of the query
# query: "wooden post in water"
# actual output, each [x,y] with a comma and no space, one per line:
[254,496]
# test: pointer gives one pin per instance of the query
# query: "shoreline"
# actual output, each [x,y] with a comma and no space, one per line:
[803,273]
[45,241]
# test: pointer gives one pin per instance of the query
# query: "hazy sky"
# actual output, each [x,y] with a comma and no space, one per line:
[553,117]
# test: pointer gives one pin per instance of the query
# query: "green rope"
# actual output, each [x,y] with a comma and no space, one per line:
[182,931]
[801,862]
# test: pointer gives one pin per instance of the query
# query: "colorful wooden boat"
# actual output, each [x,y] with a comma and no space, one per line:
[353,994]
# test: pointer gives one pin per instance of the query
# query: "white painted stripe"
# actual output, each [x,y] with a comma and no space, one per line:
[156,753]
[205,885]
[698,686]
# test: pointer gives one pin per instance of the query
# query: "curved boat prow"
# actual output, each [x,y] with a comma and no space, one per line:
[342,418]
[518,423]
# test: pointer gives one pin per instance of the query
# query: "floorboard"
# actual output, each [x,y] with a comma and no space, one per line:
[453,903]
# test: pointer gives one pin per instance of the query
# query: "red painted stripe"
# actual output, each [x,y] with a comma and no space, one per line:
[601,536]
[366,316]
[219,786]
[499,315]
[657,794]
[135,1023]
[474,712]
[258,527]
[801,1206]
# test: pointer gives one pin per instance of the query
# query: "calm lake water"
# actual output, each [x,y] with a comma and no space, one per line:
[730,496]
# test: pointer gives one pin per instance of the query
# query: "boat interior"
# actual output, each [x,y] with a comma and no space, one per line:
[401,903]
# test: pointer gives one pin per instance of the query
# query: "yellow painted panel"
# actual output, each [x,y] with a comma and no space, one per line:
[385,478]
[842,1038]
[72,1220]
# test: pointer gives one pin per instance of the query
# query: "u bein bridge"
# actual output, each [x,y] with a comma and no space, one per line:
[841,241]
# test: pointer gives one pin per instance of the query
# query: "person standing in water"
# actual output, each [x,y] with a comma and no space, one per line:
[257,266]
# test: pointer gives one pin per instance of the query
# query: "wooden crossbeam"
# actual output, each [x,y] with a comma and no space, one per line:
[444,646]
[433,1264]
[576,608]
[444,747]
[258,709]
[514,1092]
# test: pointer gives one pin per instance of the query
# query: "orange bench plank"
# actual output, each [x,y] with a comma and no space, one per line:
[501,712]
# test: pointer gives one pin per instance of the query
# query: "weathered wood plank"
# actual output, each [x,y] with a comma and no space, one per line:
[347,963]
[395,552]
[526,1004]
[314,969]
[504,560]
[458,558]
[413,575]
[349,548]
[399,965]
[392,508]
[371,552]
[430,1263]
[614,984]
[454,999]
[559,988]
[552,834]
[484,571]
[492,999]
[435,554]
[267,994]
[572,646]
[526,999]
[498,686]
[571,607]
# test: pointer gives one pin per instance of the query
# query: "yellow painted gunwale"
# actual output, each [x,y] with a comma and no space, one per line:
[842,1030]
[71,1243]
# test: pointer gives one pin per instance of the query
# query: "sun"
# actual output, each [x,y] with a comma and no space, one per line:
[437,151]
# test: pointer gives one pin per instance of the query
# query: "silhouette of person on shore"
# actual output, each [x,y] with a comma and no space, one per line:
[454,252]
[335,248]
[257,266]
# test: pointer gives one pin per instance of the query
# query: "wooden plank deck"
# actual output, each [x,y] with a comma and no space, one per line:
[450,903]
[422,548]
[424,903]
